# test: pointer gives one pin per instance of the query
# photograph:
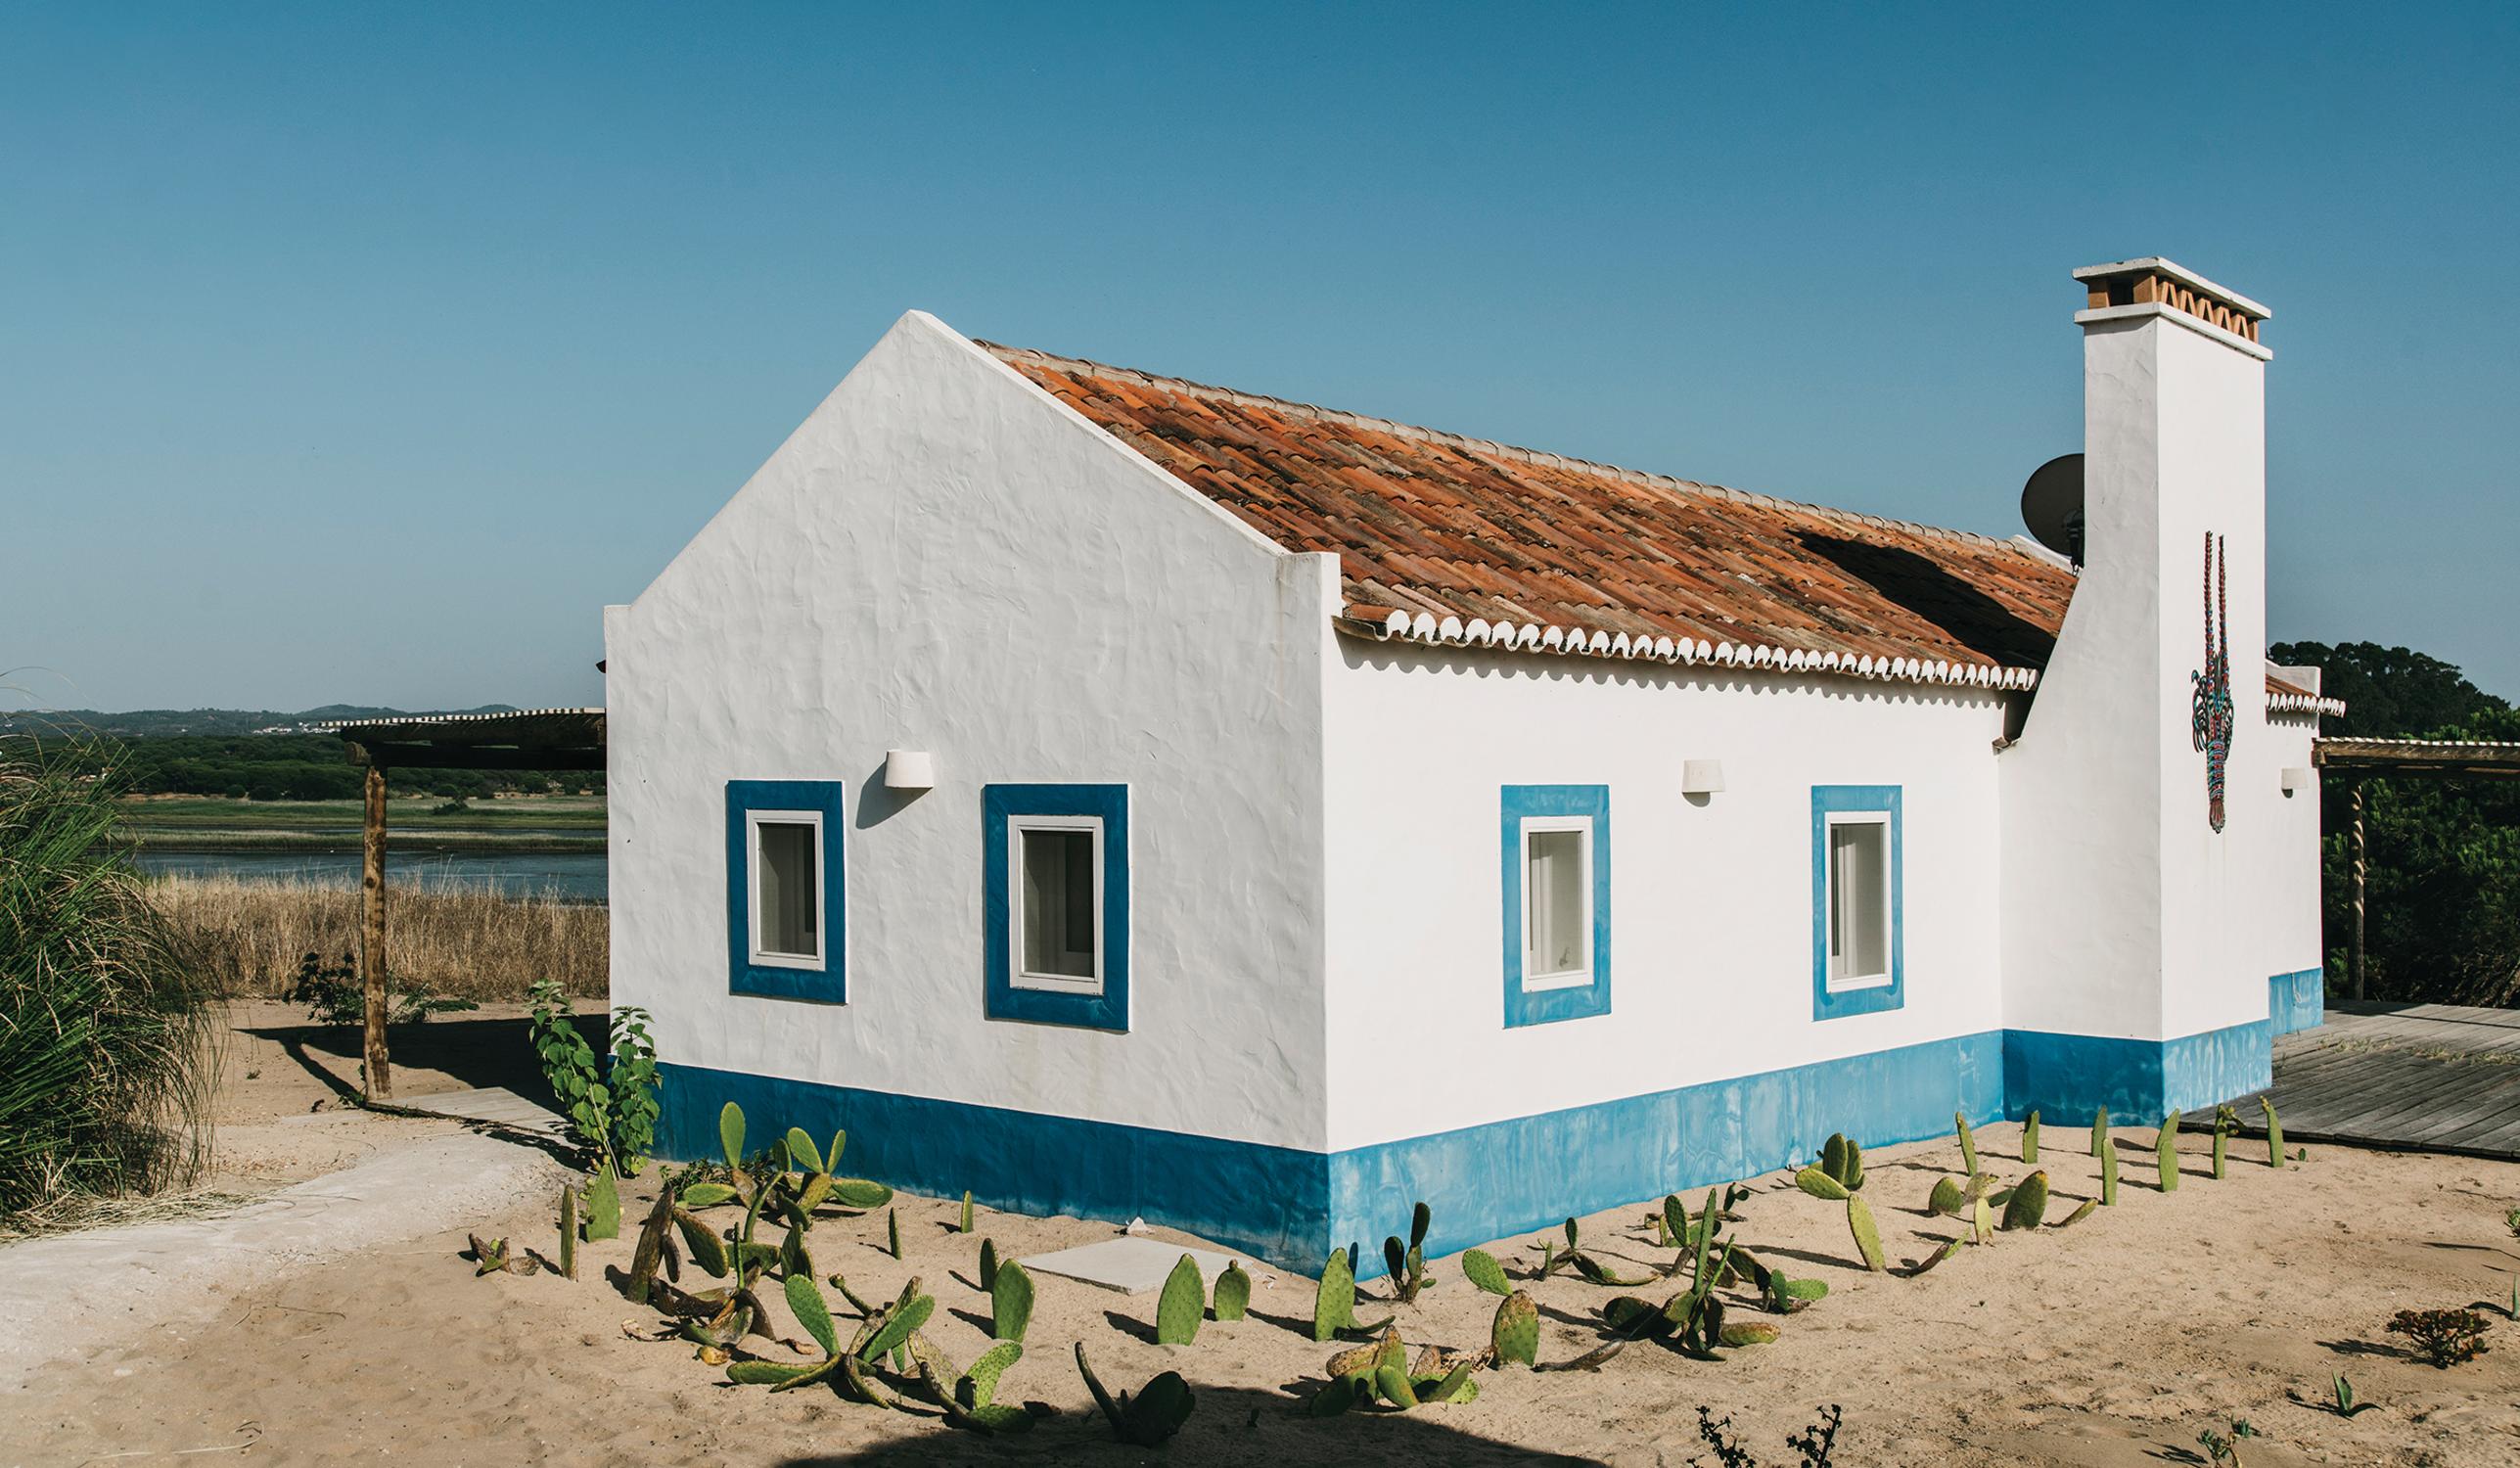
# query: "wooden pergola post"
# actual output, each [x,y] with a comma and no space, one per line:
[2354,852]
[380,1066]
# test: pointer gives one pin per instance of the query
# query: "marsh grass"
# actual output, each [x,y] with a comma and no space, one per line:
[107,1053]
[250,937]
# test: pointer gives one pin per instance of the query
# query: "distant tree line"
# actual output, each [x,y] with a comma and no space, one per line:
[2443,856]
[304,768]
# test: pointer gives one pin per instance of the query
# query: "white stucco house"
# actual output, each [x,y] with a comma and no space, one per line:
[1124,796]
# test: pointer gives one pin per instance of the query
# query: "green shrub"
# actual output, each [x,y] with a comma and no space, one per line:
[104,1066]
[335,995]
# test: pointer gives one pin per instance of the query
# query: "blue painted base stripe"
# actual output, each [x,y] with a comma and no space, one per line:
[2297,1001]
[1290,1206]
[1272,1201]
[1487,1182]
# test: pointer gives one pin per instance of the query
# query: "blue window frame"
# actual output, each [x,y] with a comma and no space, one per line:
[787,931]
[1554,842]
[1054,876]
[1858,900]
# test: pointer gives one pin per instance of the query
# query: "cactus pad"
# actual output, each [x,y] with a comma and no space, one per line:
[1516,1332]
[1946,1197]
[2029,1139]
[1749,1333]
[1819,1184]
[2028,1207]
[2108,1155]
[2165,1153]
[1968,1143]
[1183,1304]
[1233,1292]
[1481,1268]
[2275,1134]
[1334,1301]
[1010,1301]
[1867,1234]
[2079,1214]
[988,1264]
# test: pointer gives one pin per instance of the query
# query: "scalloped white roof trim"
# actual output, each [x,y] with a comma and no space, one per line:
[2303,703]
[1574,642]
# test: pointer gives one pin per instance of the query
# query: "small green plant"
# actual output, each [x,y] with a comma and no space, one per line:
[1406,1265]
[1010,1302]
[2099,1129]
[893,1232]
[2224,1447]
[2225,1122]
[1150,1417]
[987,1265]
[491,1257]
[2108,1155]
[1514,1337]
[2440,1338]
[1843,1159]
[2165,1152]
[966,1218]
[612,1112]
[1867,1234]
[2027,1208]
[2341,1398]
[335,996]
[1968,1143]
[568,1233]
[1183,1304]
[1233,1299]
[2275,1134]
[971,1401]
[1481,1268]
[2029,1139]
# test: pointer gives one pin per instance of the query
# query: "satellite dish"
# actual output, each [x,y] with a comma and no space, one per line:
[2052,505]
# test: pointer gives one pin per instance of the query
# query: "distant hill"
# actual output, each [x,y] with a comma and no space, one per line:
[152,723]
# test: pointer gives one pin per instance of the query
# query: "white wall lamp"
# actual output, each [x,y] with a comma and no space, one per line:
[1701,777]
[2294,779]
[909,770]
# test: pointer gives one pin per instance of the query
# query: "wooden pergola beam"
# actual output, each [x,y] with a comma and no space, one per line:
[555,739]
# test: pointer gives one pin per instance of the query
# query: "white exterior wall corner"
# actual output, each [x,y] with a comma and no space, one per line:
[944,558]
[1710,896]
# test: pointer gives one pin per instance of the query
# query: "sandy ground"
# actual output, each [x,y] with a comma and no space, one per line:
[2112,1342]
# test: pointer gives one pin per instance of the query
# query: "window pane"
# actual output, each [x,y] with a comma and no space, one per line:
[789,902]
[1058,896]
[1858,900]
[1554,878]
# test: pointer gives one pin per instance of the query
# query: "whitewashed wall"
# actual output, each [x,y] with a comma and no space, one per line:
[944,558]
[1711,934]
[2124,912]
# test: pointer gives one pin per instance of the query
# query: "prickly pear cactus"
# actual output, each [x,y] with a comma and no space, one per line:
[568,1233]
[2275,1134]
[1333,1303]
[1010,1301]
[1481,1268]
[1817,1182]
[1968,1142]
[1233,1293]
[2028,1207]
[2079,1213]
[2029,1139]
[1837,1159]
[604,1205]
[1516,1333]
[893,1231]
[2165,1153]
[988,1264]
[966,1218]
[1946,1197]
[1867,1234]
[2108,1155]
[2099,1129]
[1183,1304]
[730,1134]
[1749,1333]
[1675,1221]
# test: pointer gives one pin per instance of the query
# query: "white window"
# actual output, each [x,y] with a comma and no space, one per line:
[1557,901]
[787,887]
[1859,917]
[1058,919]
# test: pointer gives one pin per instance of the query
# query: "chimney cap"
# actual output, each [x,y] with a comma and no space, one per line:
[2155,265]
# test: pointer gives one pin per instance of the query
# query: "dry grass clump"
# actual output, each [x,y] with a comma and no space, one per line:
[471,944]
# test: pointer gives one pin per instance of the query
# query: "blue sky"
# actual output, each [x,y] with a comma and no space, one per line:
[362,353]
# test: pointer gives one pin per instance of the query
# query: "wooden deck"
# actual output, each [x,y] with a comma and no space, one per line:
[2426,1077]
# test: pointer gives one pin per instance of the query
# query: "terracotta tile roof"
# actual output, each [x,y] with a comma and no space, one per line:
[1454,539]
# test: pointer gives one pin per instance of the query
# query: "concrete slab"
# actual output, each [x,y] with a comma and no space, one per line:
[1129,1265]
[495,1104]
